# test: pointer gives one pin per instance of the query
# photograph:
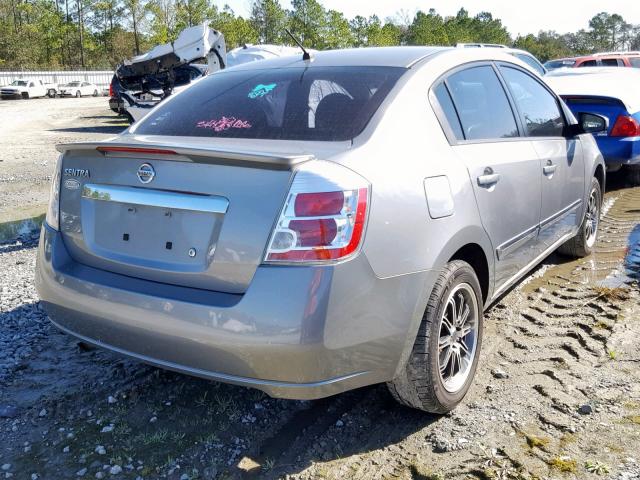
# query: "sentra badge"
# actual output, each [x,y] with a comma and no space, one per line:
[77,172]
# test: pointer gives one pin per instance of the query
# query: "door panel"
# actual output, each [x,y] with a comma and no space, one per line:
[562,176]
[506,182]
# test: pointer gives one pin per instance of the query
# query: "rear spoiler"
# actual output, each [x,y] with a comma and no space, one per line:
[593,100]
[215,155]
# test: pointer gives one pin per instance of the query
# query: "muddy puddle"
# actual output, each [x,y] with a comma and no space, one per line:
[616,260]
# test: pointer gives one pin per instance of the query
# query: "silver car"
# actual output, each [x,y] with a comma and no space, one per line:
[307,227]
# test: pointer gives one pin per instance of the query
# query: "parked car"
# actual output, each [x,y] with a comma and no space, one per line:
[24,88]
[523,55]
[78,89]
[253,53]
[606,59]
[614,94]
[306,227]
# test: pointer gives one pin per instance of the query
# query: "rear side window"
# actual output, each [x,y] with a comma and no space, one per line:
[482,104]
[318,103]
[612,62]
[449,110]
[588,63]
[538,107]
[532,62]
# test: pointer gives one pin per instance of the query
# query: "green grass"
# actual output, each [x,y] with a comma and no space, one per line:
[564,464]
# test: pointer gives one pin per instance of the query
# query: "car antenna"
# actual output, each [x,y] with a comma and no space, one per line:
[305,54]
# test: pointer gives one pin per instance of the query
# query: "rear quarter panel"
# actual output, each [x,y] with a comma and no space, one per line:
[404,144]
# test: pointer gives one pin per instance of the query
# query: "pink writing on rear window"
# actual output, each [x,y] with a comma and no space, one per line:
[224,123]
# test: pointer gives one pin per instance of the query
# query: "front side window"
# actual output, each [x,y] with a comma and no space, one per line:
[292,103]
[538,107]
[482,104]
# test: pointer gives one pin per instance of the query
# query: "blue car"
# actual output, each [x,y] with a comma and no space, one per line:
[613,93]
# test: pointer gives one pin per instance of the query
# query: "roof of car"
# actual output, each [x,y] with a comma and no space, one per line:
[370,56]
[612,82]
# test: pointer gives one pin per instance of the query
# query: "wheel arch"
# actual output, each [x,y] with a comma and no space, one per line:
[472,245]
[600,175]
[474,255]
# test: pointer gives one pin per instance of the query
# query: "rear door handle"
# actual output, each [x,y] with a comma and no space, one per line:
[549,168]
[488,178]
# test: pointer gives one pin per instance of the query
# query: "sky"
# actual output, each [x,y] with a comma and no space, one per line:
[519,16]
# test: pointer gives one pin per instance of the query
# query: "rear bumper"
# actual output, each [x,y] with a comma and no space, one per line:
[297,332]
[619,151]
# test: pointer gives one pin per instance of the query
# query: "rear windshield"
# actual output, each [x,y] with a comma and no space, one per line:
[319,103]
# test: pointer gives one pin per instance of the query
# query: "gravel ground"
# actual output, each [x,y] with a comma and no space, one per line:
[29,131]
[557,393]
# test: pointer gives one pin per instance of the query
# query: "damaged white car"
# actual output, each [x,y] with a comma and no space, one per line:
[148,79]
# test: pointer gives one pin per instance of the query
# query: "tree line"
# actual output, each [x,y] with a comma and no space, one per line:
[55,34]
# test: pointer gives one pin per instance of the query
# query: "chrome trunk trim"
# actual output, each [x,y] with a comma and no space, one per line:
[156,198]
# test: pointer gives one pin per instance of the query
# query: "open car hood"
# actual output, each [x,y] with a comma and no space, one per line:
[192,44]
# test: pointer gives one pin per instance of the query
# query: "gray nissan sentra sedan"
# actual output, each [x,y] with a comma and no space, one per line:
[307,227]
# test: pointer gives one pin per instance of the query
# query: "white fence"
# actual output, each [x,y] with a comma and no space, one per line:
[101,78]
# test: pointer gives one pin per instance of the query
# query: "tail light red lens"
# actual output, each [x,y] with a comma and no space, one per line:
[316,204]
[315,233]
[111,93]
[625,127]
[322,225]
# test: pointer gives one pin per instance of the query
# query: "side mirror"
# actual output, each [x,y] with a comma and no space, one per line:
[592,123]
[588,123]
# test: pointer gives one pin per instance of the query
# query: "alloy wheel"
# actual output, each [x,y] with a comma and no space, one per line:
[458,337]
[592,219]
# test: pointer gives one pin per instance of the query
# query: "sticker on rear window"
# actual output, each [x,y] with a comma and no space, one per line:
[224,123]
[261,90]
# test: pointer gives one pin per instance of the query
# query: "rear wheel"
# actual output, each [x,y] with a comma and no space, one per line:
[445,354]
[51,93]
[78,94]
[95,93]
[633,175]
[582,244]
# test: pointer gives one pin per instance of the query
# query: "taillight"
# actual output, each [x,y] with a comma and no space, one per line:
[323,218]
[625,127]
[111,93]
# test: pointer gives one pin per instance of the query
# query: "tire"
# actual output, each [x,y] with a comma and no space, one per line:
[421,384]
[78,94]
[633,175]
[95,93]
[583,243]
[25,96]
[51,93]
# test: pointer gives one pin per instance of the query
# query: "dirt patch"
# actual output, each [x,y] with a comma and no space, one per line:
[30,131]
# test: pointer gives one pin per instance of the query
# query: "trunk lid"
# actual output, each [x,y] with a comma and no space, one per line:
[608,107]
[196,216]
